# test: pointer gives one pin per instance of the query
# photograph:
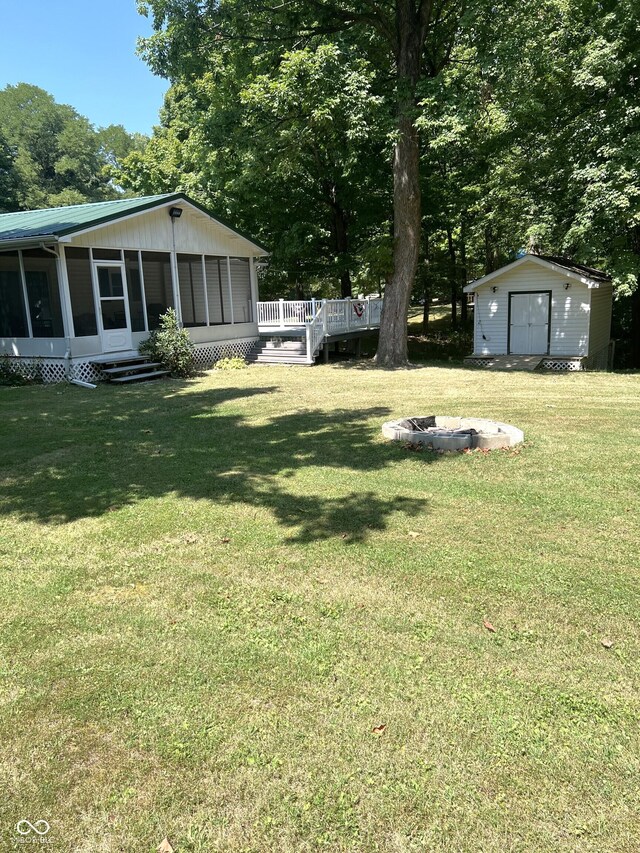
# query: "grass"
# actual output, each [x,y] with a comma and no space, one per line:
[213,591]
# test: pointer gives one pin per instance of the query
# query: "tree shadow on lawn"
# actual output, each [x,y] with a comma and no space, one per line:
[96,455]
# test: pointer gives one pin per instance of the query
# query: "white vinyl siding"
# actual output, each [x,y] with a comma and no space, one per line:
[570,309]
[195,233]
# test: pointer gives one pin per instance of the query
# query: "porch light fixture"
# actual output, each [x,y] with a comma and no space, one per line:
[175,212]
[494,289]
[567,285]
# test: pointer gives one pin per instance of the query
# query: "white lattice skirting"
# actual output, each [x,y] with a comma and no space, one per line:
[208,354]
[55,369]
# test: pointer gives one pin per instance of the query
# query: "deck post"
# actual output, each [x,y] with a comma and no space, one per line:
[347,308]
[324,317]
[281,313]
[313,307]
[325,352]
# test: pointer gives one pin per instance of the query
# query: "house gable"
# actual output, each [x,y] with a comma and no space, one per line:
[152,230]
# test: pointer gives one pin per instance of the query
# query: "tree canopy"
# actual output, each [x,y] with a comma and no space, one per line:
[411,145]
[50,155]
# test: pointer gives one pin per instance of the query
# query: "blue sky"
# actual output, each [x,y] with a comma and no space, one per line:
[83,53]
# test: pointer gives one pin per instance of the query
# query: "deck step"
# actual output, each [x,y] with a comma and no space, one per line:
[141,377]
[130,368]
[279,352]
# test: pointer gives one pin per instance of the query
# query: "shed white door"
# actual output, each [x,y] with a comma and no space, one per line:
[115,324]
[529,323]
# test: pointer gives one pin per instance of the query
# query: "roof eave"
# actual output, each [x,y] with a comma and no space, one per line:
[27,242]
[583,279]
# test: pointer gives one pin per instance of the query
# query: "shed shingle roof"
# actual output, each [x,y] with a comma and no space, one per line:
[590,272]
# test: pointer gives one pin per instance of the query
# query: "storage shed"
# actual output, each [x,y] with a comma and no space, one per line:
[86,283]
[546,307]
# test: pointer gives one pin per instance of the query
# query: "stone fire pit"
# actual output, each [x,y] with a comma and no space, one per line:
[442,433]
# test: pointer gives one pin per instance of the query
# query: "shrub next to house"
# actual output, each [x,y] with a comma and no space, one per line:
[171,346]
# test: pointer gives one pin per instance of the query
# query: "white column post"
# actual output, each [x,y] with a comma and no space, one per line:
[324,316]
[348,309]
[313,306]
[143,294]
[25,295]
[65,293]
[175,286]
[281,313]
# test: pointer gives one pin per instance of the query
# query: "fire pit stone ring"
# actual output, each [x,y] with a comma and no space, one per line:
[453,434]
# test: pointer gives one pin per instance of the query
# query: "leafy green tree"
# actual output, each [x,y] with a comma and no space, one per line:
[405,42]
[9,181]
[58,156]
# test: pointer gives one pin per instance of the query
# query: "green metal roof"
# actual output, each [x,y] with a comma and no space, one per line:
[55,222]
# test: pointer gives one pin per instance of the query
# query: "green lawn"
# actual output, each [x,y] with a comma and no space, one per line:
[213,591]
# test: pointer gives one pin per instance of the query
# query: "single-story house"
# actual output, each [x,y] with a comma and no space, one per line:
[88,282]
[543,306]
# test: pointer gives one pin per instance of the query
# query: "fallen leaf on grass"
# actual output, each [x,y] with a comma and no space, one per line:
[164,846]
[488,626]
[225,540]
[608,644]
[413,534]
[379,730]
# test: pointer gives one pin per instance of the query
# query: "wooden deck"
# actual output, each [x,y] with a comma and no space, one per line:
[317,323]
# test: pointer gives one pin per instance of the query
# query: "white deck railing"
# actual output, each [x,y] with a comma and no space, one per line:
[320,318]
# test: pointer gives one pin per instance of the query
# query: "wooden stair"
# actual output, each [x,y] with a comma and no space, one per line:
[279,351]
[130,369]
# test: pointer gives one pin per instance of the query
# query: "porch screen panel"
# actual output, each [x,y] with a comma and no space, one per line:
[218,290]
[156,268]
[13,319]
[134,288]
[241,290]
[191,290]
[81,291]
[43,293]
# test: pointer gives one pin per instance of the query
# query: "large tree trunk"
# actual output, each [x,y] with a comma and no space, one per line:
[453,278]
[340,233]
[407,210]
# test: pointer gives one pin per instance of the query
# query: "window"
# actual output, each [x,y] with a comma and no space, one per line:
[191,290]
[134,286]
[106,254]
[81,292]
[13,320]
[241,290]
[218,291]
[156,269]
[43,293]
